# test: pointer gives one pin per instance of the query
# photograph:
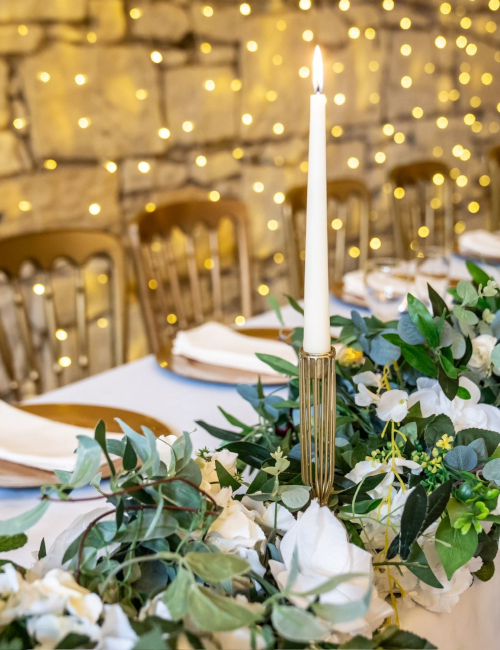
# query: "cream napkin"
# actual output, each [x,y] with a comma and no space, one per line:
[219,345]
[28,439]
[480,242]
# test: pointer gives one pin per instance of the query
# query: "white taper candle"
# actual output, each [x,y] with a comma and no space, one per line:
[316,288]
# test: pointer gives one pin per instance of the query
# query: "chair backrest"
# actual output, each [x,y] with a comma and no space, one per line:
[184,256]
[348,215]
[422,206]
[31,265]
[494,212]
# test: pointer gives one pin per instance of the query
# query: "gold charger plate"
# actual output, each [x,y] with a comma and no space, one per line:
[218,374]
[87,416]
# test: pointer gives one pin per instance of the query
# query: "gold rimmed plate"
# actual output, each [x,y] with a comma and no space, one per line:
[212,373]
[87,416]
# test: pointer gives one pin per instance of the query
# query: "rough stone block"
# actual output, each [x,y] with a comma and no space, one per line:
[12,42]
[162,20]
[108,20]
[211,112]
[119,122]
[219,166]
[61,197]
[33,10]
[162,175]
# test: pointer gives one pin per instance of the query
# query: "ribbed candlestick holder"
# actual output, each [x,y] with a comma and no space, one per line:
[318,402]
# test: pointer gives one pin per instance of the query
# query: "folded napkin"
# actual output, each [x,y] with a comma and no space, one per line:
[219,345]
[31,440]
[480,242]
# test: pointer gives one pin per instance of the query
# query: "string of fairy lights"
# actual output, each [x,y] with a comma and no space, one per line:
[467,28]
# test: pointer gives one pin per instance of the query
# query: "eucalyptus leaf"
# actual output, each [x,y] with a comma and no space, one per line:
[491,471]
[176,595]
[21,523]
[479,447]
[216,567]
[467,293]
[298,625]
[345,612]
[294,496]
[88,461]
[382,350]
[408,331]
[214,613]
[461,458]
[458,345]
[495,356]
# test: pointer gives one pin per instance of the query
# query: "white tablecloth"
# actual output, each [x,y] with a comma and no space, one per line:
[143,386]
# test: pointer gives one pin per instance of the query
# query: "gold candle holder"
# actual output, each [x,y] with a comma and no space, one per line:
[318,406]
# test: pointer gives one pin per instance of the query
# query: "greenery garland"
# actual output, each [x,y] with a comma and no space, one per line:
[228,551]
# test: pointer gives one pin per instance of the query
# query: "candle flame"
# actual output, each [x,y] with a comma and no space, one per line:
[317,70]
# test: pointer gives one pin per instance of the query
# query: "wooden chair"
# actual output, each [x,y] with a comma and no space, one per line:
[31,265]
[424,208]
[348,209]
[184,255]
[494,213]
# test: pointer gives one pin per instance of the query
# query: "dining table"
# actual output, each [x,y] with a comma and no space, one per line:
[144,386]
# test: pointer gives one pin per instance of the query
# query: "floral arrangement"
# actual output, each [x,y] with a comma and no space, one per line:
[228,550]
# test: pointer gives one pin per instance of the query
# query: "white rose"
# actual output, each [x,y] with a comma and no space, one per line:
[463,413]
[235,527]
[482,347]
[267,516]
[9,580]
[50,629]
[55,593]
[210,481]
[393,405]
[117,633]
[164,448]
[324,552]
[373,467]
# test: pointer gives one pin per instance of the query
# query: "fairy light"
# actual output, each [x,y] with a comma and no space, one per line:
[417,112]
[337,131]
[80,79]
[271,95]
[141,94]
[440,42]
[252,46]
[466,22]
[205,48]
[245,9]
[484,180]
[354,252]
[405,23]
[61,335]
[304,72]
[461,180]
[437,151]
[236,85]
[380,157]
[339,99]
[258,187]
[374,98]
[207,11]
[144,167]
[370,33]
[307,35]
[406,81]
[164,133]
[388,5]
[64,362]
[429,68]
[438,179]
[278,128]
[445,8]
[94,208]
[399,192]
[214,196]
[38,289]
[399,137]
[238,153]
[272,224]
[22,30]
[25,206]
[388,129]
[305,5]
[102,323]
[279,198]
[201,161]
[405,49]
[156,57]
[84,122]
[344,5]
[247,119]
[487,79]
[50,164]
[375,243]
[442,122]
[263,289]
[278,258]
[353,162]
[354,32]
[473,207]
[44,77]
[373,66]
[150,207]
[135,13]
[461,41]
[281,25]
[471,49]
[187,126]
[110,166]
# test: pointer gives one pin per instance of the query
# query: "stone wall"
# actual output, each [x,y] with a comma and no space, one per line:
[109,105]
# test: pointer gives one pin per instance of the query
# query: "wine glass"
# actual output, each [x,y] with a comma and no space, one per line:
[387,281]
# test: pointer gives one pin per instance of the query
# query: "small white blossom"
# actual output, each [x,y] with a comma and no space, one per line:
[393,405]
[482,347]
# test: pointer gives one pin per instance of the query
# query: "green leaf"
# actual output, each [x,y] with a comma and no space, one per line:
[463,393]
[448,367]
[273,303]
[151,640]
[491,438]
[467,293]
[416,355]
[392,638]
[100,437]
[11,542]
[461,458]
[225,478]
[42,551]
[491,471]
[298,625]
[423,320]
[88,461]
[465,315]
[234,421]
[486,572]
[439,426]
[176,595]
[75,641]
[437,501]
[408,331]
[216,567]
[425,573]
[294,304]
[294,496]
[495,356]
[129,456]
[140,528]
[213,613]
[21,523]
[345,612]
[250,453]
[412,519]
[449,386]
[457,549]
[278,364]
[439,307]
[479,276]
[217,432]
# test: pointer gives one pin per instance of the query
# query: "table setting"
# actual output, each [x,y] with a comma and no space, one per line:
[327,476]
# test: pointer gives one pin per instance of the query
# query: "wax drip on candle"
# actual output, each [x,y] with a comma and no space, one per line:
[317,70]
